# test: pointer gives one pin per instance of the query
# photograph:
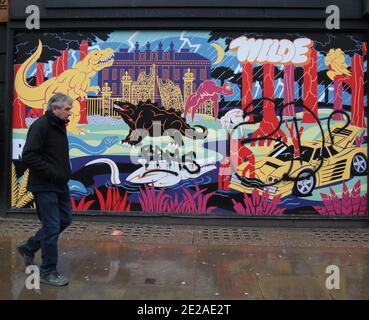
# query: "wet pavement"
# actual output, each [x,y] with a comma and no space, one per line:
[188,262]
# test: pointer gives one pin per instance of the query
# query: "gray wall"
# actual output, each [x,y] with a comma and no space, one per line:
[3,122]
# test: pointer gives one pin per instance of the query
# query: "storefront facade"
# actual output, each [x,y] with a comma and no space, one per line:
[224,111]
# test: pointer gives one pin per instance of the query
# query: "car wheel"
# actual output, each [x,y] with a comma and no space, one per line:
[304,184]
[359,165]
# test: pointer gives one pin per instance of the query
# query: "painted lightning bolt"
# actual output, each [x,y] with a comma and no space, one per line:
[130,41]
[187,41]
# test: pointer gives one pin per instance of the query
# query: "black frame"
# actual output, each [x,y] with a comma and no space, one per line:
[161,17]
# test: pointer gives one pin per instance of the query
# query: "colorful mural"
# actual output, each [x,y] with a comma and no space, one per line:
[201,123]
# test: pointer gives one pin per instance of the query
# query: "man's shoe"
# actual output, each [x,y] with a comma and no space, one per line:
[53,279]
[26,254]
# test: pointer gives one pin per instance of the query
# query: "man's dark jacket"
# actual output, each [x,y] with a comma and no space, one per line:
[46,154]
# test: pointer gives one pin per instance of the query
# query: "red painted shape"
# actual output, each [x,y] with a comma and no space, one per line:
[83,50]
[294,137]
[357,89]
[19,108]
[243,154]
[60,65]
[36,113]
[54,69]
[356,82]
[289,90]
[238,154]
[337,100]
[224,174]
[39,74]
[83,111]
[247,81]
[270,122]
[224,171]
[311,88]
[65,59]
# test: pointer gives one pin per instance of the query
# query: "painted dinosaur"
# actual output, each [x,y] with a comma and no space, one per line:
[208,90]
[74,82]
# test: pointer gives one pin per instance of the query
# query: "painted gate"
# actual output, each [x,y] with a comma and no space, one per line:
[201,123]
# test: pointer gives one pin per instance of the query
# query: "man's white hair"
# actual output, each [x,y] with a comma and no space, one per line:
[58,101]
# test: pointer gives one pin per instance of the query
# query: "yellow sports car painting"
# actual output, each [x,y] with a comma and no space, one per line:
[280,173]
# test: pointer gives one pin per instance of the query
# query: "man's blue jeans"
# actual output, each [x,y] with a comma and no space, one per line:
[55,213]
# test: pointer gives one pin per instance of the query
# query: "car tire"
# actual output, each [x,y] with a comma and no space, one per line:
[359,165]
[304,187]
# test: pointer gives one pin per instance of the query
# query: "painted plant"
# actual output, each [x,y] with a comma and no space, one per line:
[349,204]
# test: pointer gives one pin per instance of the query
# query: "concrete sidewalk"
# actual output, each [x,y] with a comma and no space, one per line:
[192,262]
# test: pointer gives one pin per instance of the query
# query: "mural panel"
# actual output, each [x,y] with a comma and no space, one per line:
[201,123]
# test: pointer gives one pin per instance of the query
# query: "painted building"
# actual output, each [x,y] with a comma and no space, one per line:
[169,65]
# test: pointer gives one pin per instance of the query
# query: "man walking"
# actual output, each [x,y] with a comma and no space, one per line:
[46,154]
